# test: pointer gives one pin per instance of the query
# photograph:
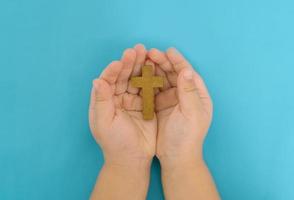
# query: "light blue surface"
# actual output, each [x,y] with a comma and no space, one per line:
[51,50]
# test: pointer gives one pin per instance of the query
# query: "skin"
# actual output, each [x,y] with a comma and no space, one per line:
[182,126]
[128,142]
[175,135]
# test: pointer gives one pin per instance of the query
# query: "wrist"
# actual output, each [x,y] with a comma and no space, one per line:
[187,160]
[128,164]
[127,180]
[135,173]
[180,163]
[181,167]
[127,160]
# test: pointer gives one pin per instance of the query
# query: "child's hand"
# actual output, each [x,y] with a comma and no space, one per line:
[184,112]
[115,113]
[184,109]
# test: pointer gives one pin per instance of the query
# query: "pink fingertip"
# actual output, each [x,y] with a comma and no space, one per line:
[96,84]
[139,46]
[129,54]
[153,53]
[173,50]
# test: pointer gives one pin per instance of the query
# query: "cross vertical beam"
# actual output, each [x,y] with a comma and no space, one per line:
[147,82]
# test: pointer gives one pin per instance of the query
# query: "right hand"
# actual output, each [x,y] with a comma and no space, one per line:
[115,113]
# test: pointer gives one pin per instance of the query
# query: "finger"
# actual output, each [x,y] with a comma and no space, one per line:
[128,60]
[140,59]
[161,59]
[103,102]
[178,61]
[132,102]
[203,92]
[166,99]
[91,109]
[141,53]
[160,72]
[149,62]
[189,99]
[111,73]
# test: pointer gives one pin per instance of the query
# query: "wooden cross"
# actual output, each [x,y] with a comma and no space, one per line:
[147,82]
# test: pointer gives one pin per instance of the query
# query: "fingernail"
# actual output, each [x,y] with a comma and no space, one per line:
[188,74]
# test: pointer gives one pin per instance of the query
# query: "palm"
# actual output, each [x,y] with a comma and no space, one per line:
[171,123]
[139,135]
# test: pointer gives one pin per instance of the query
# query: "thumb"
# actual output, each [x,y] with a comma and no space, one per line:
[189,99]
[103,105]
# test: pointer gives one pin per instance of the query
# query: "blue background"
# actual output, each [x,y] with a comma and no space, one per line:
[51,50]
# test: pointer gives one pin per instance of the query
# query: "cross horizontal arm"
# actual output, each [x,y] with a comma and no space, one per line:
[137,82]
[157,81]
